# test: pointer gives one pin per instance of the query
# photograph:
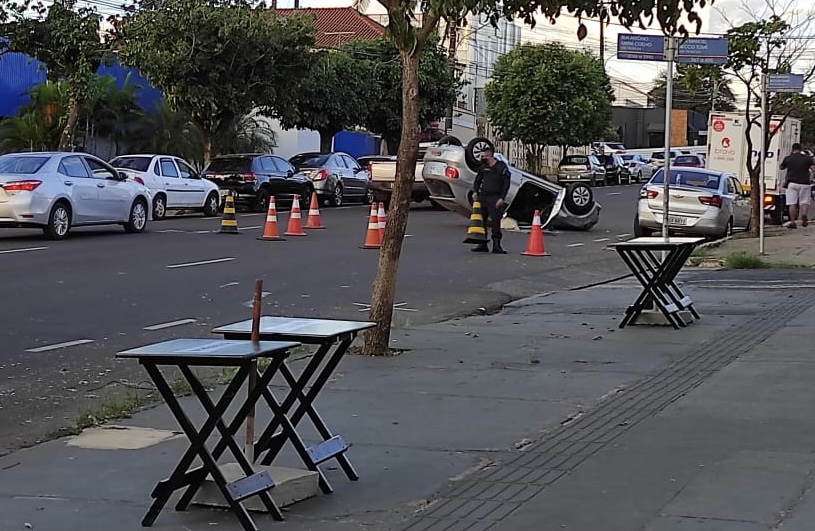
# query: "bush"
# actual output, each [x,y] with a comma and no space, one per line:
[744,260]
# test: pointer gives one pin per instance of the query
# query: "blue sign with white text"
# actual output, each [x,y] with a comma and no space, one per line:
[702,50]
[640,47]
[785,83]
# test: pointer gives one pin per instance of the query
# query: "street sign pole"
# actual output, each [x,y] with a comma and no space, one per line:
[670,57]
[763,162]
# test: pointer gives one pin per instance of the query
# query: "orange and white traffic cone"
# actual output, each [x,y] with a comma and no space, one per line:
[313,220]
[382,219]
[295,220]
[534,246]
[270,230]
[373,239]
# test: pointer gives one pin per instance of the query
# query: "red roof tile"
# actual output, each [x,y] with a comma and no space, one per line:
[336,25]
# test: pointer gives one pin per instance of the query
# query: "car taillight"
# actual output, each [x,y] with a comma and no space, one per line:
[321,175]
[451,172]
[713,200]
[249,177]
[21,186]
[139,180]
[588,166]
[649,194]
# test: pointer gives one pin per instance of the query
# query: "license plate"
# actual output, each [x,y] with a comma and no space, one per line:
[224,193]
[437,168]
[674,220]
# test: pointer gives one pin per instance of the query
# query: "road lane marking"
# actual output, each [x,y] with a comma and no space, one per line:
[601,240]
[202,262]
[229,284]
[576,245]
[25,250]
[161,326]
[67,344]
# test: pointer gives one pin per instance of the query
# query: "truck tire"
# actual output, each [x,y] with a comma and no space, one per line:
[579,199]
[472,153]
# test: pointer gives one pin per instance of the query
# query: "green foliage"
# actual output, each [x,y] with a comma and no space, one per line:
[801,106]
[229,59]
[382,71]
[549,95]
[695,87]
[745,260]
[747,53]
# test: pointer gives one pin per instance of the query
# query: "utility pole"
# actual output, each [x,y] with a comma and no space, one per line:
[603,38]
[452,45]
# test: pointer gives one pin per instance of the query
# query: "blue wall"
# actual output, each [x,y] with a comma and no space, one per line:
[19,72]
[356,144]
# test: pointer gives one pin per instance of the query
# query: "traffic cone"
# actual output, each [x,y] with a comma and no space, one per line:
[270,231]
[381,218]
[229,223]
[534,246]
[295,219]
[373,239]
[313,220]
[476,232]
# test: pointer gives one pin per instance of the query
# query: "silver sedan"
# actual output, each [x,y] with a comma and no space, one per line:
[57,190]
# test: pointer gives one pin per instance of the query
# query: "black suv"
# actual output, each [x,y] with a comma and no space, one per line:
[617,170]
[253,178]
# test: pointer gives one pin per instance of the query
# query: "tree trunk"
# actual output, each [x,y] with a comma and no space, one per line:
[327,140]
[208,144]
[756,199]
[67,136]
[377,340]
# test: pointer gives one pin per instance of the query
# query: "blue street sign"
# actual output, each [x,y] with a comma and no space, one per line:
[785,83]
[640,47]
[702,50]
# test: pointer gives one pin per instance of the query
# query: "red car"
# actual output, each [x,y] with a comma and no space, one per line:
[689,161]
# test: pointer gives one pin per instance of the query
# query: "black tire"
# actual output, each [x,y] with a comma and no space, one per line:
[59,221]
[579,199]
[599,182]
[472,153]
[211,205]
[449,140]
[368,198]
[639,230]
[728,229]
[639,177]
[159,207]
[137,220]
[261,203]
[777,215]
[337,197]
[305,198]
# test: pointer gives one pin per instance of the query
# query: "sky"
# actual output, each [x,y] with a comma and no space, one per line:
[716,19]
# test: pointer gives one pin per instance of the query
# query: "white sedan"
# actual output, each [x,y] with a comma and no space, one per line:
[173,183]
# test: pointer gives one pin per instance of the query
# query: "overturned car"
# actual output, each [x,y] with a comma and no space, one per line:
[449,172]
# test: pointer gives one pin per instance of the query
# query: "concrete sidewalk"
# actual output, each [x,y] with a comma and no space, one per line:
[782,246]
[546,416]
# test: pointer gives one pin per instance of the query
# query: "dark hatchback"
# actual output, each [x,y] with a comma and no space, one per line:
[617,171]
[254,178]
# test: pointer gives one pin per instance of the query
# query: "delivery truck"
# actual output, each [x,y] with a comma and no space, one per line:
[728,152]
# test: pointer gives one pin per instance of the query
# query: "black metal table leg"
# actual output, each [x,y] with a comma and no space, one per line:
[651,280]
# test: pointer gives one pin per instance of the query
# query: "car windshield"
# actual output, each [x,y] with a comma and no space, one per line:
[618,147]
[658,155]
[685,159]
[575,160]
[309,160]
[696,179]
[627,157]
[132,163]
[22,165]
[229,164]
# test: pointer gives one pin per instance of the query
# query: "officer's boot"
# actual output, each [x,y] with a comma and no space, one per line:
[496,245]
[481,248]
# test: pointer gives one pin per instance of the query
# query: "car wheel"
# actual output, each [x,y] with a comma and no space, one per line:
[473,151]
[579,199]
[336,198]
[449,140]
[262,200]
[138,217]
[728,229]
[159,207]
[639,230]
[369,197]
[305,199]
[59,222]
[639,177]
[211,205]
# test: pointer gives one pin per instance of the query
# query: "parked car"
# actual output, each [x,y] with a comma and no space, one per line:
[382,174]
[702,203]
[641,169]
[253,178]
[581,169]
[607,148]
[173,183]
[658,157]
[56,191]
[449,172]
[689,161]
[335,176]
[617,170]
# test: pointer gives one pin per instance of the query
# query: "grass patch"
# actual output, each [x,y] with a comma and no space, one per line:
[110,408]
[745,260]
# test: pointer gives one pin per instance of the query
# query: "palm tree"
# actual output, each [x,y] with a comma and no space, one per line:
[166,131]
[28,132]
[251,133]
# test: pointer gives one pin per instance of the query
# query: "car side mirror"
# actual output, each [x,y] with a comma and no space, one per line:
[120,175]
[289,173]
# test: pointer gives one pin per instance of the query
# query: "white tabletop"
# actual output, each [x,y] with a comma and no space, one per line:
[220,349]
[296,327]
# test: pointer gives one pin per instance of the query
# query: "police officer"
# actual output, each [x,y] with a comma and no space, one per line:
[490,189]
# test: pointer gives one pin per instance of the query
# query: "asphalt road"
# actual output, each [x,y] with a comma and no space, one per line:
[69,306]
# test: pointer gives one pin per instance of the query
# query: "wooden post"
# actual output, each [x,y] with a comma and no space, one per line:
[249,448]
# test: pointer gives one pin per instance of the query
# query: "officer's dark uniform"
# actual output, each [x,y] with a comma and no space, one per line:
[491,184]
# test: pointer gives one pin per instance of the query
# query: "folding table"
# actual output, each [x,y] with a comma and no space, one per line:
[657,276]
[187,353]
[333,338]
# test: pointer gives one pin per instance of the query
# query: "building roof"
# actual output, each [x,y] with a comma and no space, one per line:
[337,25]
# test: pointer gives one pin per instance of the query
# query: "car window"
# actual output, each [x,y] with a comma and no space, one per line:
[683,159]
[574,160]
[268,165]
[185,169]
[73,167]
[131,163]
[309,160]
[99,171]
[731,186]
[351,163]
[283,165]
[681,177]
[17,164]
[336,162]
[168,168]
[229,164]
[594,160]
[737,186]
